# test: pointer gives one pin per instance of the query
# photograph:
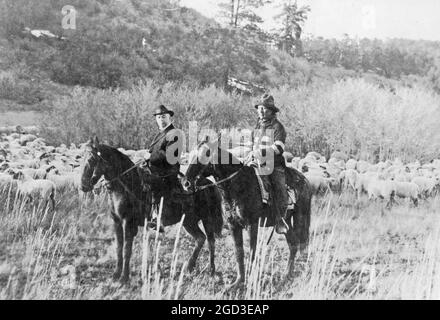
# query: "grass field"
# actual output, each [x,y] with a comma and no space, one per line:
[357,250]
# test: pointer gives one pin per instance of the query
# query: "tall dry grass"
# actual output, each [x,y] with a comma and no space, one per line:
[357,250]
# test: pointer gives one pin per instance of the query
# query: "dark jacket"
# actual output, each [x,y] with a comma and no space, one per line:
[278,141]
[158,149]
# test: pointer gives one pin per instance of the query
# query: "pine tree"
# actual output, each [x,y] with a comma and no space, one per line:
[292,18]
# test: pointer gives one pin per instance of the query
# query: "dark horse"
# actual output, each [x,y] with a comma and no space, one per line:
[242,198]
[132,205]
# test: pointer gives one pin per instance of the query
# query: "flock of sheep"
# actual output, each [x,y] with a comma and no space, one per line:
[386,180]
[37,170]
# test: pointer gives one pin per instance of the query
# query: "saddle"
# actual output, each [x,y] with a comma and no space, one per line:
[169,188]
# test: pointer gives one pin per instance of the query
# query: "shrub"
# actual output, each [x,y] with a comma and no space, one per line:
[123,118]
[357,117]
[23,92]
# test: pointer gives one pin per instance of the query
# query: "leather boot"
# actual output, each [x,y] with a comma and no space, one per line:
[281,226]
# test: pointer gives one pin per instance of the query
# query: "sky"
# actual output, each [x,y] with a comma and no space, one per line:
[411,19]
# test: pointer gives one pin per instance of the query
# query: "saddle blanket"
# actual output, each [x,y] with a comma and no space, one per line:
[292,198]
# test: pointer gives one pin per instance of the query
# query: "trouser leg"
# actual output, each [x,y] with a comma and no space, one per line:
[281,200]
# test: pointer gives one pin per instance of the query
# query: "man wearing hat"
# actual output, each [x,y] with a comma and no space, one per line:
[164,155]
[273,143]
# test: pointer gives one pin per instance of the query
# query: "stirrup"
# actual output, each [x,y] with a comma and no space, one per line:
[281,226]
[153,225]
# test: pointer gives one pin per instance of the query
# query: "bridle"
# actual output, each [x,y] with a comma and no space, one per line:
[216,183]
[134,166]
[117,178]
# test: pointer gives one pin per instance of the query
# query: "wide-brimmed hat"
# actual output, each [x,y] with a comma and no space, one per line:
[267,101]
[162,110]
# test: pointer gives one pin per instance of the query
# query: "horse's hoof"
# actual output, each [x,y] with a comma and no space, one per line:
[217,277]
[190,267]
[287,277]
[238,284]
[124,281]
[116,275]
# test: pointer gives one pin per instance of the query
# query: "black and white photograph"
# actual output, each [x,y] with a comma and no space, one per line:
[220,155]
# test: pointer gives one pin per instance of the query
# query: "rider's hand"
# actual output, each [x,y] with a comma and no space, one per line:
[256,154]
[145,159]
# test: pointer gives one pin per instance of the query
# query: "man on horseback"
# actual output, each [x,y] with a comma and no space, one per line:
[163,156]
[262,145]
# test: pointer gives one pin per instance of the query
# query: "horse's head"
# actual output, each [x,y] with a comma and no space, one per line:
[200,166]
[209,160]
[96,164]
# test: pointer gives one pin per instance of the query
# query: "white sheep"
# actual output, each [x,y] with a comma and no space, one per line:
[69,181]
[334,162]
[314,155]
[38,188]
[381,189]
[27,138]
[351,164]
[338,155]
[407,190]
[318,183]
[295,163]
[6,181]
[306,162]
[348,178]
[426,185]
[363,180]
[362,166]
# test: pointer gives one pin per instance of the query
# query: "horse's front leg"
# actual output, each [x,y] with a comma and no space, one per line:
[253,234]
[237,234]
[192,227]
[119,237]
[129,227]
[211,244]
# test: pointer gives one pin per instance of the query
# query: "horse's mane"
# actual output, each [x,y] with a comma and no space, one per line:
[111,150]
[232,160]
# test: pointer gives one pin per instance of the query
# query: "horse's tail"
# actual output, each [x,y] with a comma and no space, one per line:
[305,231]
[216,211]
[303,205]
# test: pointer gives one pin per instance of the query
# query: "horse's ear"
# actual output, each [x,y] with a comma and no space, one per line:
[95,142]
[219,138]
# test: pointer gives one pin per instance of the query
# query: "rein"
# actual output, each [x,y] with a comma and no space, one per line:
[126,171]
[135,166]
[118,177]
[201,188]
[216,183]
